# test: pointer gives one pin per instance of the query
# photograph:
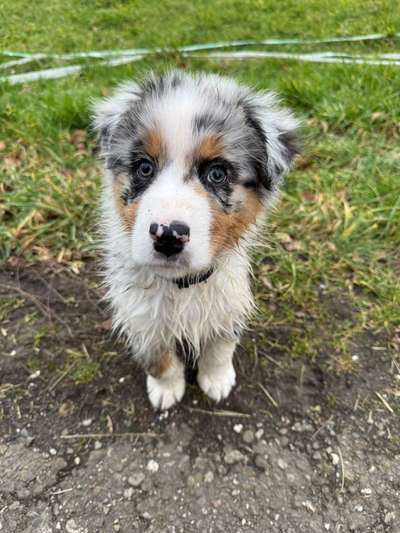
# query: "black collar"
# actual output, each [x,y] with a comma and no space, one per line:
[192,279]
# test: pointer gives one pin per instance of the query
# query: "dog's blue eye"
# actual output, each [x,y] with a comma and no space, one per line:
[145,169]
[217,175]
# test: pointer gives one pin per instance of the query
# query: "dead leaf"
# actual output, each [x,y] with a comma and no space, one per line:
[308,196]
[66,408]
[11,162]
[106,325]
[293,245]
[284,238]
[376,116]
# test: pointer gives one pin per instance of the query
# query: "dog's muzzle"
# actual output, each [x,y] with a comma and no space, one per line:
[169,239]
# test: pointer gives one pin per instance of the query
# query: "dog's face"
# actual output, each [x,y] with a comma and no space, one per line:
[192,161]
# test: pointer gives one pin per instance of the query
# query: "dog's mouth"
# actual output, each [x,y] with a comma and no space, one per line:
[177,269]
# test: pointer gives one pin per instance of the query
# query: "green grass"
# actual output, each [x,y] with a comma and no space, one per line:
[338,225]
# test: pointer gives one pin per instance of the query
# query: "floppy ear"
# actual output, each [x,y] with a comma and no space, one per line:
[107,112]
[277,127]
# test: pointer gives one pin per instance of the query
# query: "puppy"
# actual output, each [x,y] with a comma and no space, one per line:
[192,162]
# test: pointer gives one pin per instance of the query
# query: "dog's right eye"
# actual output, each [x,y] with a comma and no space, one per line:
[145,169]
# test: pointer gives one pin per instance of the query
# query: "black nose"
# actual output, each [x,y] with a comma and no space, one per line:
[169,239]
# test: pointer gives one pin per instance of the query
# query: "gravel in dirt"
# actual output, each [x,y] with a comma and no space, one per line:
[94,458]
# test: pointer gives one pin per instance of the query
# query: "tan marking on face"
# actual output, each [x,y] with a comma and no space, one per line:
[199,189]
[227,228]
[127,212]
[209,148]
[153,144]
[158,367]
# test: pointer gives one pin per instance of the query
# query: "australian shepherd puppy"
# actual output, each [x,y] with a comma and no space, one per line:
[192,162]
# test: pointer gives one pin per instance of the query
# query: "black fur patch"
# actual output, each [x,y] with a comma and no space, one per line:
[156,86]
[207,121]
[259,155]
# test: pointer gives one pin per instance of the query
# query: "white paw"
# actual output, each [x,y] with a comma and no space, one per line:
[164,393]
[217,382]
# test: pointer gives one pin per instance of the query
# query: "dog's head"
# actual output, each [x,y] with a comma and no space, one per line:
[191,162]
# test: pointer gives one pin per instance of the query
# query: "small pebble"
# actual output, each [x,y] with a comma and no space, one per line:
[35,375]
[137,479]
[261,461]
[248,436]
[389,517]
[233,456]
[87,422]
[53,451]
[282,465]
[77,460]
[72,527]
[237,428]
[284,441]
[209,477]
[128,493]
[335,458]
[153,466]
[309,506]
[97,445]
[259,433]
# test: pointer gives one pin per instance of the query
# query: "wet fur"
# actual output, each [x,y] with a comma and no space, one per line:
[185,123]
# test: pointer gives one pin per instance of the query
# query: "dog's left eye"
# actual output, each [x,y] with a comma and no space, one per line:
[217,174]
[145,169]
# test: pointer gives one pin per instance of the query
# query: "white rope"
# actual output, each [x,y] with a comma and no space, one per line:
[319,57]
[121,57]
[206,46]
[60,72]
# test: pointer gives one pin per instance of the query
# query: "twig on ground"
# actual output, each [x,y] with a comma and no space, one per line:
[61,491]
[385,402]
[271,359]
[356,403]
[341,467]
[109,435]
[268,395]
[50,287]
[61,377]
[218,413]
[110,425]
[45,310]
[322,426]
[255,365]
[31,297]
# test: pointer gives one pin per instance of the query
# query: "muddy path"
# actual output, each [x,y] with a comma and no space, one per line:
[297,446]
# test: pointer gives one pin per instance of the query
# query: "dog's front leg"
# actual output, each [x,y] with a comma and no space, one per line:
[216,375]
[165,380]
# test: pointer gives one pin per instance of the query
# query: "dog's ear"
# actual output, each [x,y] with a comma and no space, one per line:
[108,112]
[276,127]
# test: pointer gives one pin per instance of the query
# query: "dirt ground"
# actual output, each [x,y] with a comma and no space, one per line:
[296,448]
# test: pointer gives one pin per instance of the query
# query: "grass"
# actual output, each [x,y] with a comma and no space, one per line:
[337,230]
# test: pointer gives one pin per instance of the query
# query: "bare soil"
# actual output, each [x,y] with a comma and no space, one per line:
[298,446]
